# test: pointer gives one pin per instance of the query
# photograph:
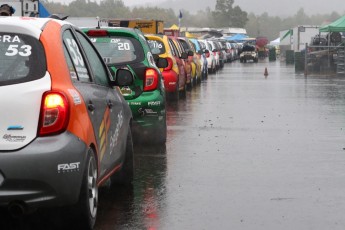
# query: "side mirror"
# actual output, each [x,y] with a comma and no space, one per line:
[162,62]
[155,57]
[184,55]
[190,53]
[124,77]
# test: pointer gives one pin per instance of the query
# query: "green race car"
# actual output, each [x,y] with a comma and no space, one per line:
[127,48]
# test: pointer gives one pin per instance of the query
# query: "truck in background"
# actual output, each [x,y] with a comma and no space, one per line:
[302,35]
[147,26]
[27,8]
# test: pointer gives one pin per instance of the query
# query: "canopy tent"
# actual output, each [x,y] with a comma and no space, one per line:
[237,37]
[174,27]
[336,26]
[275,42]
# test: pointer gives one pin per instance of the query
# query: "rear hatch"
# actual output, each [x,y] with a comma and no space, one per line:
[23,80]
[124,52]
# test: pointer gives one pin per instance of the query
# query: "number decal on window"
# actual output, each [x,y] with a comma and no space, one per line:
[154,44]
[13,50]
[75,53]
[124,46]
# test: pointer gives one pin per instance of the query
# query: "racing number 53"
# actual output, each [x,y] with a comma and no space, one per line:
[75,53]
[13,50]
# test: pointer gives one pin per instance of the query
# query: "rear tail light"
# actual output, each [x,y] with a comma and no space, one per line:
[151,79]
[170,64]
[54,114]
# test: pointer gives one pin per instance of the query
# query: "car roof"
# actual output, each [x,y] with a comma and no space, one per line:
[26,25]
[114,29]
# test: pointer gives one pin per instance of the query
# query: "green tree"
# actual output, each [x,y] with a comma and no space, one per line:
[225,15]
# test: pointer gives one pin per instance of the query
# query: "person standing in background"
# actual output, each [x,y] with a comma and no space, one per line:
[6,10]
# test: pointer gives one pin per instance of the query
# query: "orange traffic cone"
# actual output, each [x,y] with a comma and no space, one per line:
[266,72]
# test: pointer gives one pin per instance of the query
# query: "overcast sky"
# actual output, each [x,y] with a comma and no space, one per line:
[275,7]
[272,7]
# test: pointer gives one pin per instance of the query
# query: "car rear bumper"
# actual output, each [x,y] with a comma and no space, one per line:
[148,109]
[170,80]
[47,172]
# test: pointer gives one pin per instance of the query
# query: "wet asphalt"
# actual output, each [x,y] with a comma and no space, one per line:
[244,152]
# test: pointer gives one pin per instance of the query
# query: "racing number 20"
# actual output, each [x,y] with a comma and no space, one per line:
[123,46]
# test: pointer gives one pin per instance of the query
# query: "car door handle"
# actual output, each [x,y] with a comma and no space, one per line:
[110,104]
[91,106]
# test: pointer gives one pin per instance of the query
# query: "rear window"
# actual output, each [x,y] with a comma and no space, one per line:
[157,47]
[22,58]
[115,50]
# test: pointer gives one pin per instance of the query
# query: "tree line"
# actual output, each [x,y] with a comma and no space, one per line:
[224,14]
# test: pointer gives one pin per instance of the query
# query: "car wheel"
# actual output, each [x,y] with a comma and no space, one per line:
[176,94]
[126,173]
[183,92]
[86,208]
[161,134]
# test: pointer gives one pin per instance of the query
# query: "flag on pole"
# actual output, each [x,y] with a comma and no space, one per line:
[179,20]
[180,16]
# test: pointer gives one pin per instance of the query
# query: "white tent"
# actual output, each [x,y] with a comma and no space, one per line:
[275,42]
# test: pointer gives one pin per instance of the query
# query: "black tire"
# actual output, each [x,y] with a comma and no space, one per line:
[86,208]
[126,174]
[175,95]
[183,92]
[161,134]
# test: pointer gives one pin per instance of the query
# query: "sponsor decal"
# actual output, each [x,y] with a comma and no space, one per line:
[135,103]
[103,132]
[126,91]
[115,136]
[75,95]
[9,39]
[13,138]
[68,167]
[172,83]
[15,127]
[147,112]
[154,103]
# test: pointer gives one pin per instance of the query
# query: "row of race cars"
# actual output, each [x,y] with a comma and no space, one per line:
[76,99]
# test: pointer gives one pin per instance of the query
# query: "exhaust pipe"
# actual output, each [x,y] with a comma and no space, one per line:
[17,209]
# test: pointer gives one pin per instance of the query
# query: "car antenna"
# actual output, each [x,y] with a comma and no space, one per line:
[98,23]
[56,16]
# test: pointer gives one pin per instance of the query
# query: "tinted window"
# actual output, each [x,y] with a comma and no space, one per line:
[202,44]
[157,47]
[71,68]
[116,50]
[173,48]
[22,58]
[98,68]
[184,45]
[76,56]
